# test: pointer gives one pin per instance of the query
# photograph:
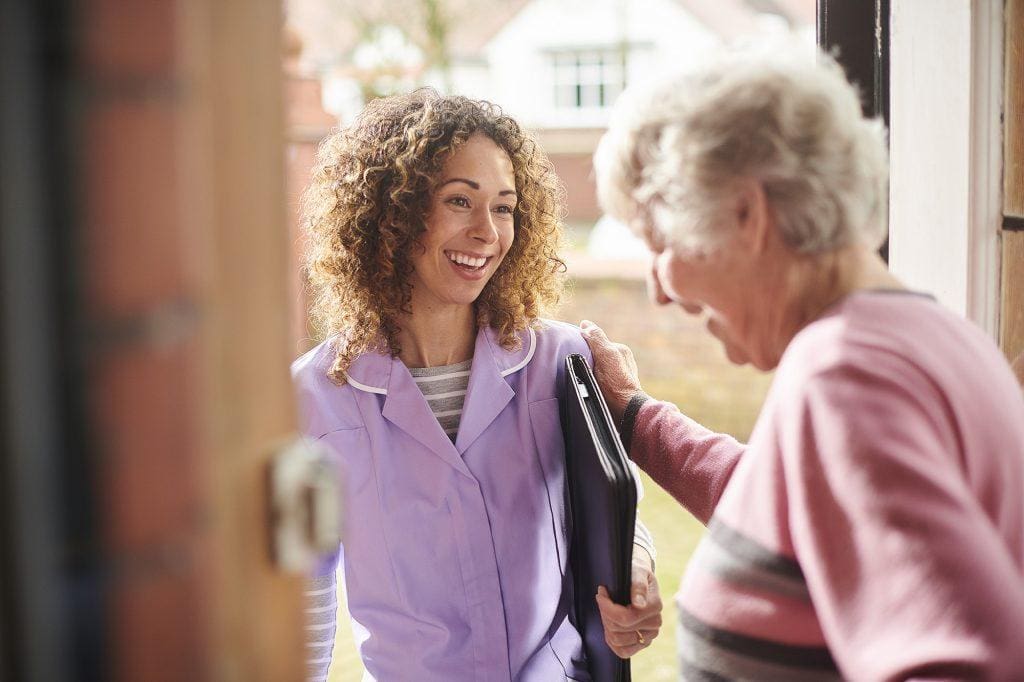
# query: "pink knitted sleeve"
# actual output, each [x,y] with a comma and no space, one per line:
[689,461]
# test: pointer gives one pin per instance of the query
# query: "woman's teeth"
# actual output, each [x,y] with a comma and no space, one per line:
[465,260]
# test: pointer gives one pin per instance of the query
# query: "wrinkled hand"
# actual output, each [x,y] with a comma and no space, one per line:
[629,629]
[614,369]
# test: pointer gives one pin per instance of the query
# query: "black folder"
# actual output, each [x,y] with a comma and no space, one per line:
[602,497]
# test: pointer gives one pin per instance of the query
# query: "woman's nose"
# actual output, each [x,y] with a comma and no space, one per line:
[483,228]
[655,290]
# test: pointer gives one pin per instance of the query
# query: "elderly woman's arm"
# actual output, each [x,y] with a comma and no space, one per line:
[691,462]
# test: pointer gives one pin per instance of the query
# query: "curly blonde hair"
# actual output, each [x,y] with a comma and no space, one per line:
[366,206]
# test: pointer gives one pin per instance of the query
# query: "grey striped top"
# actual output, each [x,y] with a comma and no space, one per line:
[444,388]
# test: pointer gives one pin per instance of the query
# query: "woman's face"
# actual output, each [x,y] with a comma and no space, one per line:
[469,228]
[732,284]
[703,284]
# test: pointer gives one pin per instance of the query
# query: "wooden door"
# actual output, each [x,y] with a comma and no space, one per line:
[235,188]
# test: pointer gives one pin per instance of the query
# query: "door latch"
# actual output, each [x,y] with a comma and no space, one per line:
[305,506]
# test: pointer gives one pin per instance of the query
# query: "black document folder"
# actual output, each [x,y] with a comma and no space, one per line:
[602,496]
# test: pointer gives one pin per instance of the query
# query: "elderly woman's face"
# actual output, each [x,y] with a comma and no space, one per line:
[470,226]
[715,283]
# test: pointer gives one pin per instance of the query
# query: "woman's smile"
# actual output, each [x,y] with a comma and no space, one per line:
[470,227]
[467,265]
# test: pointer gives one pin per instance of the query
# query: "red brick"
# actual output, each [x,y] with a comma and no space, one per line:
[148,429]
[133,242]
[157,618]
[130,39]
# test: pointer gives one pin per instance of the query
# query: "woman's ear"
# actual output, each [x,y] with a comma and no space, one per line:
[753,215]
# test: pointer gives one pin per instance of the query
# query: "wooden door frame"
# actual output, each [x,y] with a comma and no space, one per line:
[1011,333]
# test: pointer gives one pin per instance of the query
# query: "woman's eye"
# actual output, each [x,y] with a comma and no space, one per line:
[504,208]
[461,202]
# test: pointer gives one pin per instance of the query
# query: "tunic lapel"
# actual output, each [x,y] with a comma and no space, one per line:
[406,408]
[488,392]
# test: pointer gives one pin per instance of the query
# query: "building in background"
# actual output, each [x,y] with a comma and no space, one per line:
[557,66]
[306,124]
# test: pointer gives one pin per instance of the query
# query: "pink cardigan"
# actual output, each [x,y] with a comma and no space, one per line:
[873,527]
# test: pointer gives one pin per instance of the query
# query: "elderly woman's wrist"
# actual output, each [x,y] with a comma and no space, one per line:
[628,419]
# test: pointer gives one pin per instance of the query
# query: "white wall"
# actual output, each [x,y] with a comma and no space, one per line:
[946,79]
[520,72]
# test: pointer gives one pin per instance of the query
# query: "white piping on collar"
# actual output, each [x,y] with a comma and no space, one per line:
[529,355]
[510,370]
[364,387]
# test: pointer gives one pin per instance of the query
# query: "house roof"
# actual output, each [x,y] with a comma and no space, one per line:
[331,30]
[480,22]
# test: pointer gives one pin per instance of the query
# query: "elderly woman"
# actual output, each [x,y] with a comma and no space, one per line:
[873,526]
[433,223]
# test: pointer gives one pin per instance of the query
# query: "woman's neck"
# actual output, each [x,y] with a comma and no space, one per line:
[433,338]
[833,276]
[811,284]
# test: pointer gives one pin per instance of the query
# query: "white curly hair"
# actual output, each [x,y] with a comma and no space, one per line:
[677,147]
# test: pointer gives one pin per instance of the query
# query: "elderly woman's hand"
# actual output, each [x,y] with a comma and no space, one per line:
[629,629]
[614,369]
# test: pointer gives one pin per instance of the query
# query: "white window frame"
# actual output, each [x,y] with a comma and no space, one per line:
[604,60]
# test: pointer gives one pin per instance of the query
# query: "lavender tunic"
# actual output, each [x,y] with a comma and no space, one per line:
[454,555]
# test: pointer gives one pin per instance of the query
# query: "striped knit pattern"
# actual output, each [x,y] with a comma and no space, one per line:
[445,390]
[321,619]
[743,565]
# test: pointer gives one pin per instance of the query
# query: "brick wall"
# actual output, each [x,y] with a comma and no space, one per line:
[140,287]
[307,124]
[577,173]
[182,266]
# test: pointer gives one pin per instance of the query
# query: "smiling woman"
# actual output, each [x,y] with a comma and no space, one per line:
[469,228]
[373,192]
[433,224]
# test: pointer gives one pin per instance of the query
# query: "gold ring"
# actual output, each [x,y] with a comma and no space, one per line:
[640,637]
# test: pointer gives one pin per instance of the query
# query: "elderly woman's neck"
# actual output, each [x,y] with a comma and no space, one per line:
[438,337]
[819,281]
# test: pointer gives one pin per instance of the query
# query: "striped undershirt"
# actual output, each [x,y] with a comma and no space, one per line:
[321,623]
[444,388]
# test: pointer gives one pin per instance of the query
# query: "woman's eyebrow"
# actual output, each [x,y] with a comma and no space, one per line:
[475,185]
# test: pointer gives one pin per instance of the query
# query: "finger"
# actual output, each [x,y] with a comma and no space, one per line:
[638,591]
[641,578]
[651,621]
[625,649]
[592,330]
[629,650]
[615,616]
[627,640]
[692,308]
[655,291]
